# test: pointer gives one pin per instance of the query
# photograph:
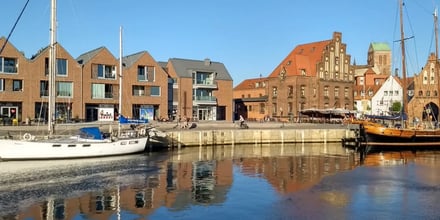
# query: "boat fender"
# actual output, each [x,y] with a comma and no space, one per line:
[27,136]
[142,131]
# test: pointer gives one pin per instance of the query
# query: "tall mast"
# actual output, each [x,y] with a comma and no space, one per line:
[402,43]
[120,79]
[436,33]
[52,68]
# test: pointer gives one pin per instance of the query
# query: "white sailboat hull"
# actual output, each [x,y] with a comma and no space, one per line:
[47,149]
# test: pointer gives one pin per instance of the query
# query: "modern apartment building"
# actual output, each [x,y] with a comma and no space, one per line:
[202,89]
[87,88]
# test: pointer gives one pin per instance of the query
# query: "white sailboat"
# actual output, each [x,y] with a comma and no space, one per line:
[90,143]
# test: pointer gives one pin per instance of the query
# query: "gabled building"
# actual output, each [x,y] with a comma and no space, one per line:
[15,101]
[202,89]
[370,78]
[100,85]
[146,83]
[389,93]
[313,75]
[423,92]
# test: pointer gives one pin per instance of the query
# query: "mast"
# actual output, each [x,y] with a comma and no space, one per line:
[402,43]
[120,80]
[52,68]
[436,33]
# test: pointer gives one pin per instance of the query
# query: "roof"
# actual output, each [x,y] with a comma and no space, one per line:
[303,57]
[250,84]
[131,59]
[379,46]
[185,67]
[87,56]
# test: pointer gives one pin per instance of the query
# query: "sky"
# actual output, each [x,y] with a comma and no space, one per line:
[250,37]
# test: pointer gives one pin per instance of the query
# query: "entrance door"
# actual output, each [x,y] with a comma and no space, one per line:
[204,114]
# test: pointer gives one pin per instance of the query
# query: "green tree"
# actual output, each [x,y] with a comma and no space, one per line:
[396,107]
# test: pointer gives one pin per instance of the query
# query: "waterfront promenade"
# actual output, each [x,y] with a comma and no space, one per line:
[214,132]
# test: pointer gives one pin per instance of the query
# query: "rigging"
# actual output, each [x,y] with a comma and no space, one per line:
[13,27]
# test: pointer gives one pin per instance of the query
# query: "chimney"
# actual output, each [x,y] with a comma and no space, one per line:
[207,62]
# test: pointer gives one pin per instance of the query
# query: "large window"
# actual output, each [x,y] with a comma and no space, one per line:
[146,73]
[64,89]
[61,67]
[8,65]
[204,78]
[102,91]
[102,71]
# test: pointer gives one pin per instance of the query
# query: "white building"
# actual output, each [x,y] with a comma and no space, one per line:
[389,93]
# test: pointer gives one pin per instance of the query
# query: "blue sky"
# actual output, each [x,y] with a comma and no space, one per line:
[249,37]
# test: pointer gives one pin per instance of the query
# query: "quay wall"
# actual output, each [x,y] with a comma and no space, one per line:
[188,138]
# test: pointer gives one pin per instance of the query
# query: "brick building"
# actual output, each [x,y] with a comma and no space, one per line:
[85,87]
[313,75]
[202,89]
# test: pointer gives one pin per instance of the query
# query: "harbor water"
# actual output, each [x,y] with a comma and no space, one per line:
[286,181]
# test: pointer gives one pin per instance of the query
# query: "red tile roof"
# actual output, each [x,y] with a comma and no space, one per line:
[303,57]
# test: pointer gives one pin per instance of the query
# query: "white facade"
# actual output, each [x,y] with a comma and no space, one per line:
[389,92]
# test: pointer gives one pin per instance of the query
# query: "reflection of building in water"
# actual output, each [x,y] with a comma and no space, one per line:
[292,173]
[203,181]
[196,176]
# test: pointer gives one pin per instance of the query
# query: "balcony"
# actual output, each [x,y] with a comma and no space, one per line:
[205,84]
[205,100]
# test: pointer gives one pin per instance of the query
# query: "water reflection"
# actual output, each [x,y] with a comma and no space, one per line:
[190,183]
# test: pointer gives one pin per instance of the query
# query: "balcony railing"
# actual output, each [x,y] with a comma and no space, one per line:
[205,100]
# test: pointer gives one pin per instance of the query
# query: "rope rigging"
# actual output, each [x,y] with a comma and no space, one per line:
[13,27]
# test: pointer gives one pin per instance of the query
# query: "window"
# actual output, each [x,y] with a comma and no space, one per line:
[17,85]
[420,93]
[61,67]
[64,89]
[138,90]
[155,91]
[102,71]
[146,73]
[326,91]
[290,91]
[102,91]
[203,78]
[336,92]
[428,93]
[274,91]
[346,92]
[2,84]
[44,88]
[8,65]
[385,93]
[262,107]
[303,90]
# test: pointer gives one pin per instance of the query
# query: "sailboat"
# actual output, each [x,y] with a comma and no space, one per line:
[403,136]
[91,142]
